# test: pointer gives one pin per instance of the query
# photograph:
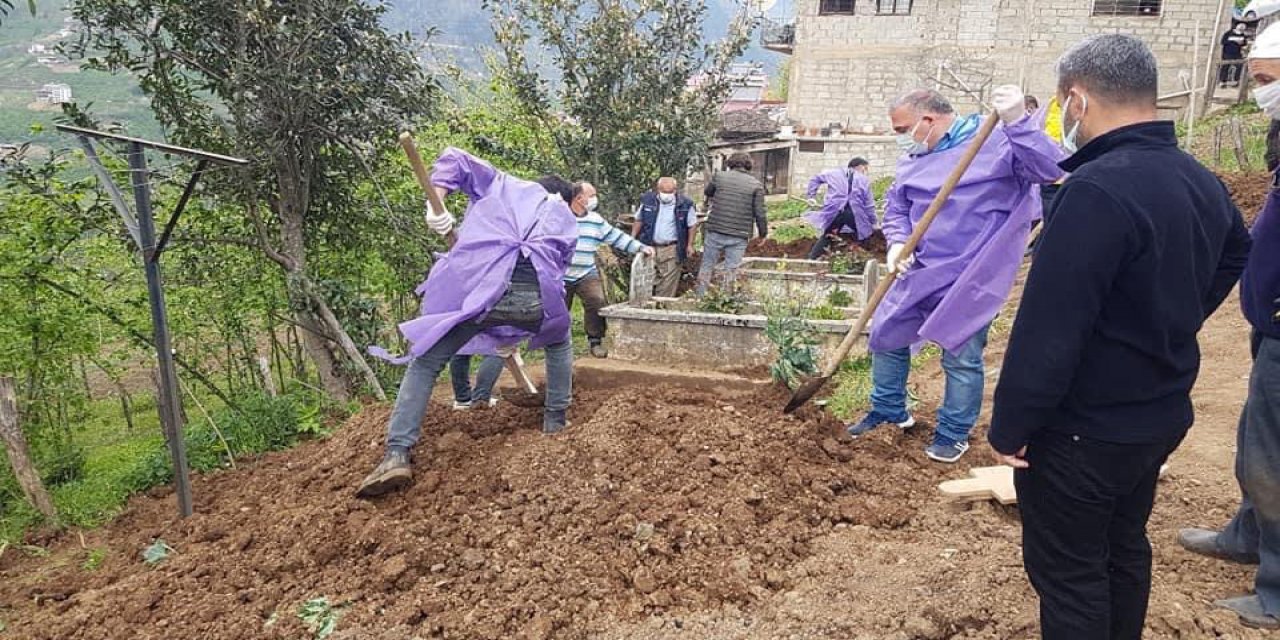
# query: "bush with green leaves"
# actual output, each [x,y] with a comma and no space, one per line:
[795,340]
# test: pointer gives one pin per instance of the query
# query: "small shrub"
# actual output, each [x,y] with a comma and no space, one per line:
[839,298]
[61,464]
[320,617]
[726,299]
[795,341]
[825,312]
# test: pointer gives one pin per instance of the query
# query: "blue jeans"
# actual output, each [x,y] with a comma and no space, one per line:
[962,401]
[1255,529]
[519,307]
[715,245]
[486,378]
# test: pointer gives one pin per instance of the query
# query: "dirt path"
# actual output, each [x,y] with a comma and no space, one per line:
[665,512]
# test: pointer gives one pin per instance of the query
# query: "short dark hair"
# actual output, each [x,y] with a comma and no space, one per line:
[1116,67]
[555,184]
[739,161]
[1031,102]
[858,162]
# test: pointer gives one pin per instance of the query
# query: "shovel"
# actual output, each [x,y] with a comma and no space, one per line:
[528,393]
[811,387]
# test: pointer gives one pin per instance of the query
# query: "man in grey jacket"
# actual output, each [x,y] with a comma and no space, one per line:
[736,202]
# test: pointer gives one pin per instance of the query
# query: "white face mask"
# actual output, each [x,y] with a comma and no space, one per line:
[592,203]
[667,198]
[907,141]
[1268,99]
[1069,135]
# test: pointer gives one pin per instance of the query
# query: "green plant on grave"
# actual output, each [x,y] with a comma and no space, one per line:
[825,311]
[94,559]
[723,299]
[839,298]
[795,340]
[320,616]
[841,263]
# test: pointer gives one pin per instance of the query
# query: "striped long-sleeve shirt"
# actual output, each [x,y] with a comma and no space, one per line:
[592,232]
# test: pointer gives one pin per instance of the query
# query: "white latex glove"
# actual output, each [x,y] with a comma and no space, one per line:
[1009,102]
[813,202]
[441,223]
[506,351]
[896,262]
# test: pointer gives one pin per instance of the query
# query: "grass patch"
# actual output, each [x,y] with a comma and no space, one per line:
[852,395]
[785,209]
[792,232]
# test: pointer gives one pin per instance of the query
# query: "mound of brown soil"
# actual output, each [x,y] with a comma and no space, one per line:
[656,499]
[1249,190]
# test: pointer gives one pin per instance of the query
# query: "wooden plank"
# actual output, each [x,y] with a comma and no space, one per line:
[15,445]
[986,483]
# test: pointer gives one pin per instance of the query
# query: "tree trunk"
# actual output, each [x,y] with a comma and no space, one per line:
[19,455]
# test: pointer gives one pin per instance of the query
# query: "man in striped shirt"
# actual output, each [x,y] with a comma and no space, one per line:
[583,278]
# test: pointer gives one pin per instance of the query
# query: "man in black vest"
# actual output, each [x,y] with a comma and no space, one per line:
[666,221]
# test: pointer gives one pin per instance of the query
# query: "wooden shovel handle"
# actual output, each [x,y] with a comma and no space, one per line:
[424,178]
[909,246]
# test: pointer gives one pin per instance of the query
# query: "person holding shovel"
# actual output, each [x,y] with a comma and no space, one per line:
[949,291]
[501,282]
[848,208]
[1253,534]
[1095,391]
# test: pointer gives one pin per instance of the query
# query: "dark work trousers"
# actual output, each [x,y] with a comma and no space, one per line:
[1085,505]
[843,219]
[1255,529]
[591,291]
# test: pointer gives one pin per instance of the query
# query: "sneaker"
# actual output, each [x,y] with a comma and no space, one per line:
[484,404]
[1251,612]
[554,422]
[598,351]
[945,450]
[875,419]
[392,473]
[461,406]
[1205,543]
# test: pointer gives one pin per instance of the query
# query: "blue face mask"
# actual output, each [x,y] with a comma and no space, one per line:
[909,145]
[1069,135]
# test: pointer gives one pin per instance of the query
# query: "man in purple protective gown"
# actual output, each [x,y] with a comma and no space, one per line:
[953,286]
[502,282]
[848,208]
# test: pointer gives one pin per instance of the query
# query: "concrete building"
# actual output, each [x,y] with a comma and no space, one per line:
[54,94]
[851,57]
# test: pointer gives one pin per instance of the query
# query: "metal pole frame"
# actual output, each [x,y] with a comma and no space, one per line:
[142,227]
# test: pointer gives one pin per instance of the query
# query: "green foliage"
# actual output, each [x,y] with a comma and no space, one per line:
[795,341]
[841,263]
[785,234]
[320,616]
[157,552]
[619,111]
[785,209]
[880,186]
[94,559]
[263,424]
[825,311]
[839,298]
[723,299]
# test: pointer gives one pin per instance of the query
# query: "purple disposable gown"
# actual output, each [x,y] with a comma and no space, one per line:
[506,217]
[967,261]
[842,191]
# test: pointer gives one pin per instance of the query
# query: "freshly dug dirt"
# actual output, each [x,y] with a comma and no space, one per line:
[1249,190]
[875,246]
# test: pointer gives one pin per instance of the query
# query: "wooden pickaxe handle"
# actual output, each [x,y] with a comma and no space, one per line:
[515,364]
[424,178]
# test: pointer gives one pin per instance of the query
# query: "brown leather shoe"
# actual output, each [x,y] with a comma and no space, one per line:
[392,473]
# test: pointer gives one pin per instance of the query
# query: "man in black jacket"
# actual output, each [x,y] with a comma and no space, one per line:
[1094,395]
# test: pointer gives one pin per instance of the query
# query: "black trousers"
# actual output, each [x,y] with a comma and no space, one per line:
[842,219]
[1085,505]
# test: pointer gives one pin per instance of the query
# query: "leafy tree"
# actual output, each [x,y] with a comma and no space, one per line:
[311,92]
[623,109]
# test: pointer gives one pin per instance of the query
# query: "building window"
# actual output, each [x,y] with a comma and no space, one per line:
[811,146]
[1126,7]
[835,7]
[893,7]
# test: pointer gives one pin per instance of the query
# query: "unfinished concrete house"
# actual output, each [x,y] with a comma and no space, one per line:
[851,57]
